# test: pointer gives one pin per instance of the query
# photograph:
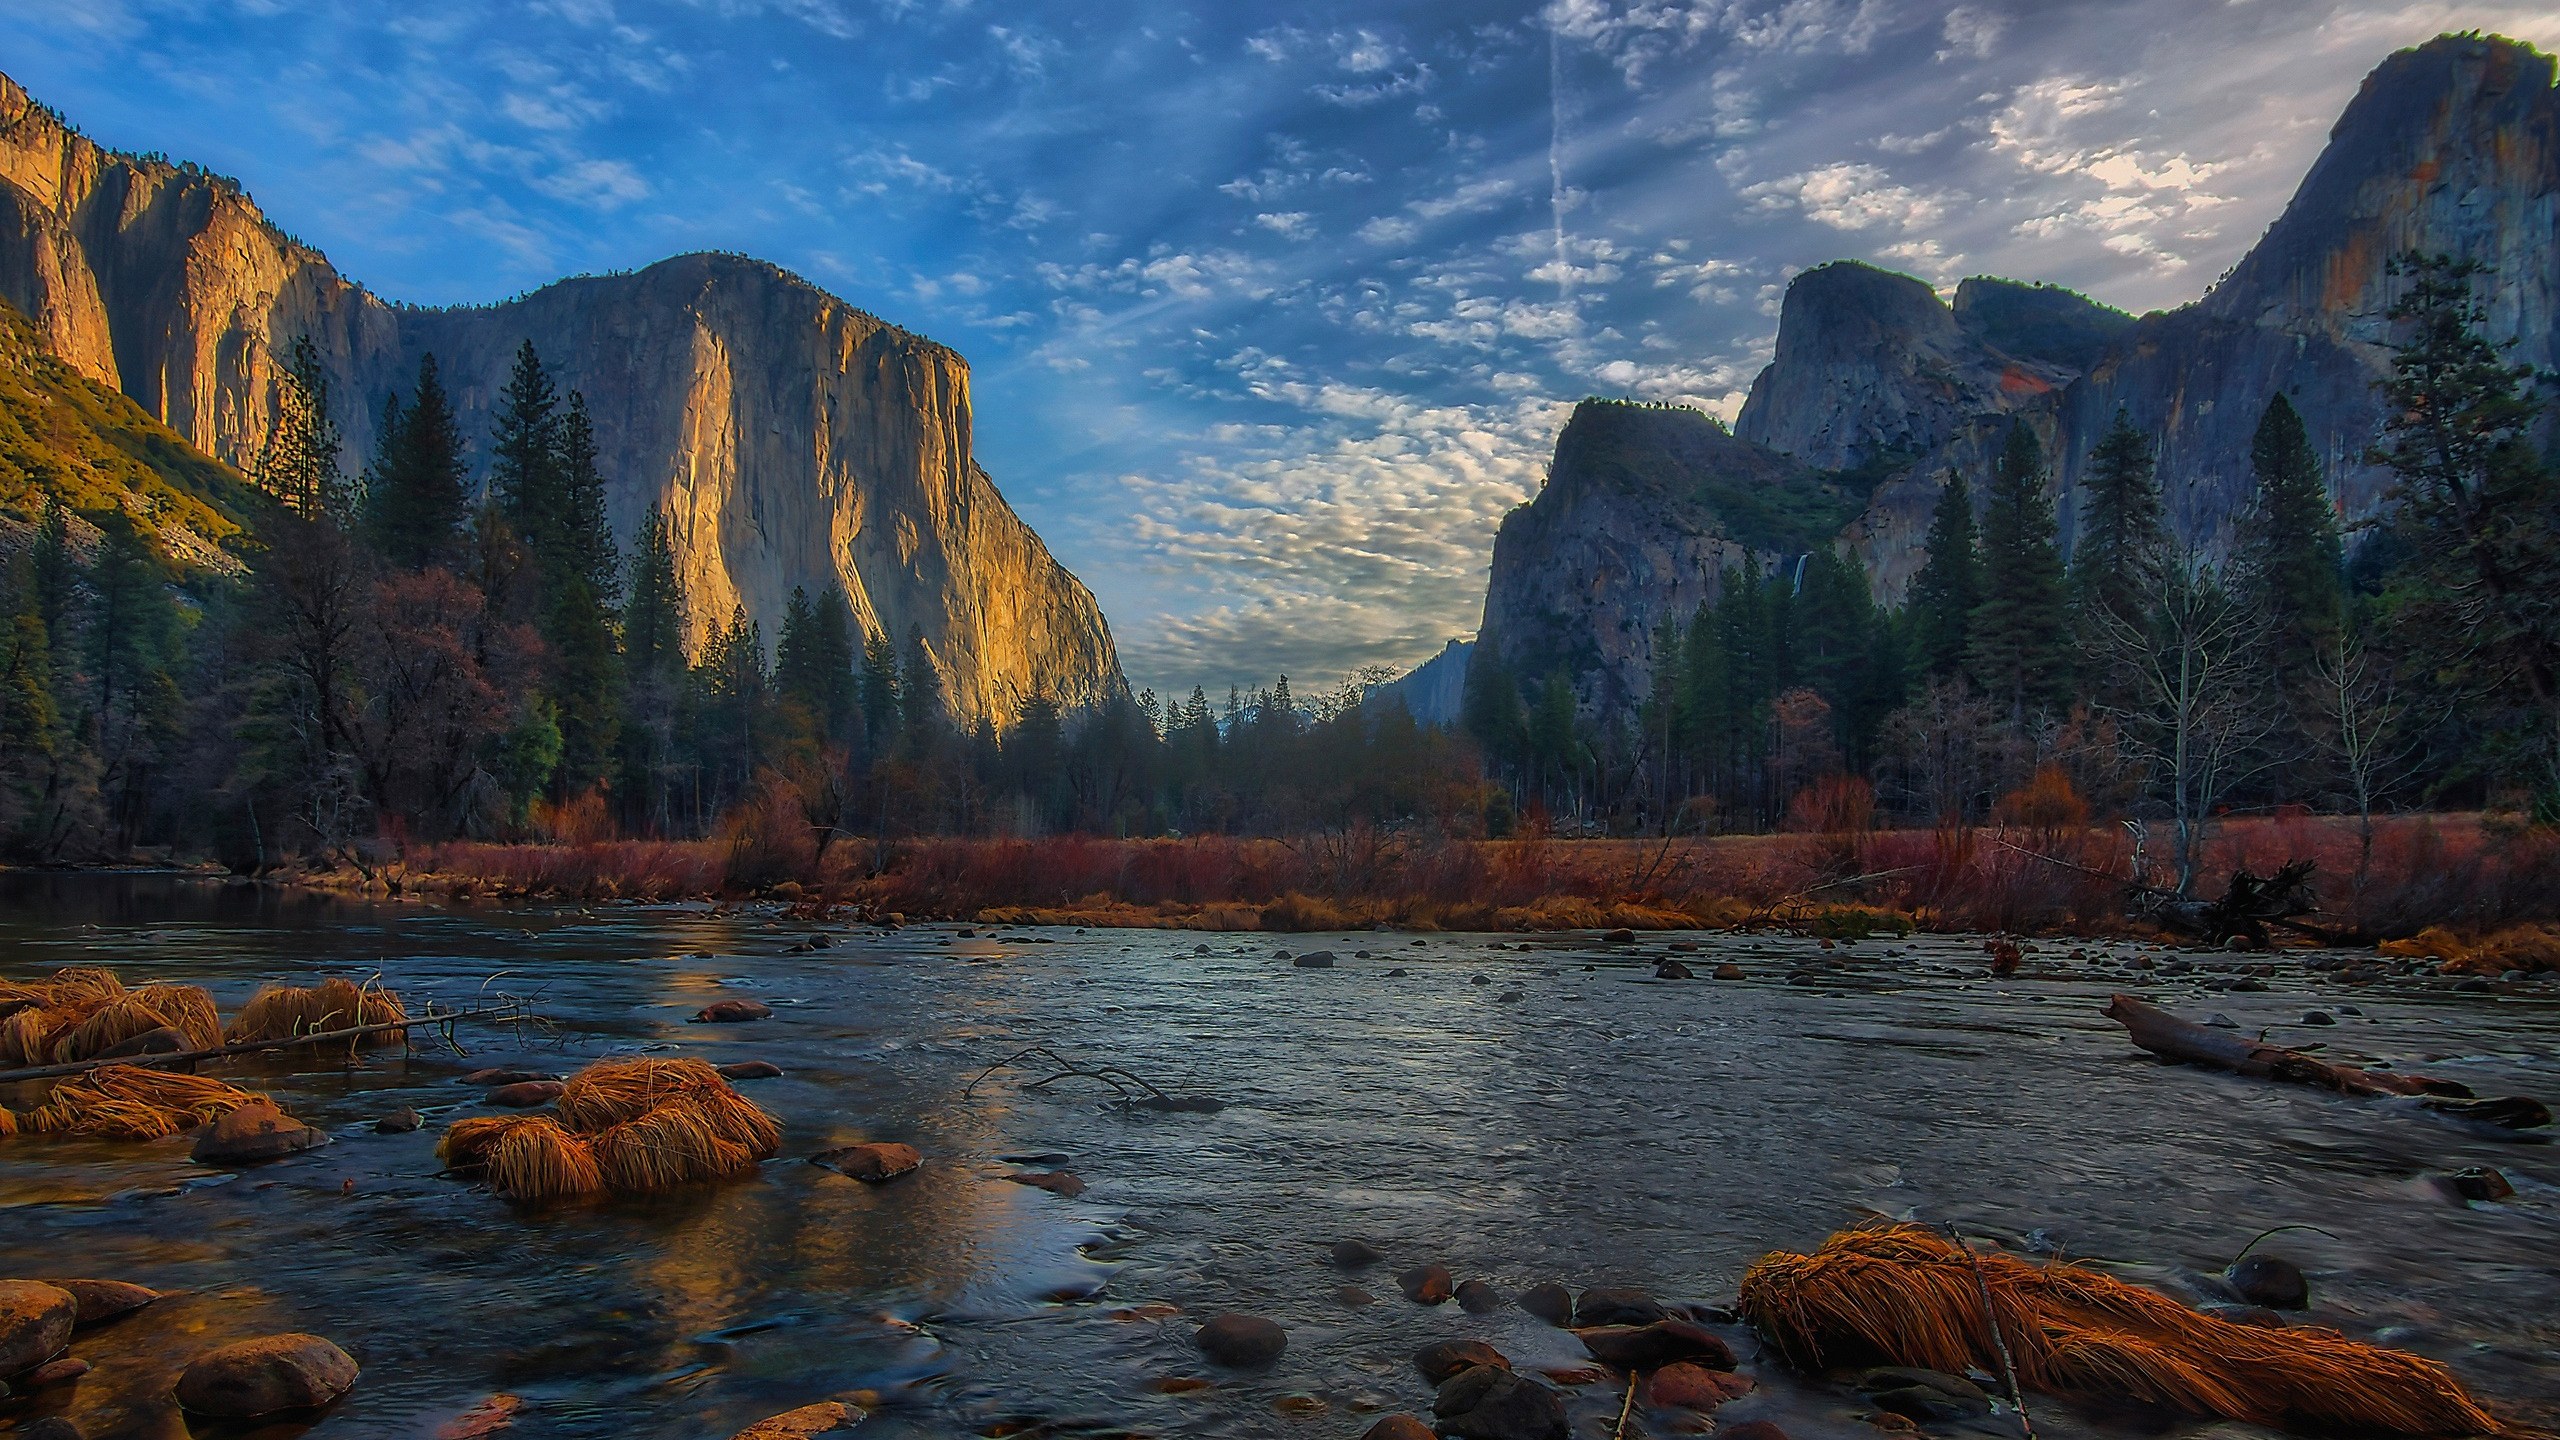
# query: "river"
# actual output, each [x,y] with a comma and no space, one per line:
[1521,1109]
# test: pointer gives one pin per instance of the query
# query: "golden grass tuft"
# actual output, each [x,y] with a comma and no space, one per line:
[8,1123]
[187,1009]
[127,1102]
[620,1126]
[26,1037]
[280,1012]
[1902,1295]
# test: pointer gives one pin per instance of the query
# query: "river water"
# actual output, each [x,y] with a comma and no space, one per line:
[1520,1109]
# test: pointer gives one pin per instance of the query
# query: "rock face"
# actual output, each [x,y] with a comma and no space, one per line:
[1879,390]
[792,439]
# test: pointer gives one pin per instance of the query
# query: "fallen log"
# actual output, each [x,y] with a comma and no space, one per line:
[500,1014]
[2171,1038]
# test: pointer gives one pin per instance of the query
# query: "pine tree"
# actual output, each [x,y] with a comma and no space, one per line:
[813,665]
[653,623]
[920,701]
[2291,561]
[56,570]
[1949,584]
[2124,539]
[414,491]
[587,532]
[299,462]
[2018,644]
[879,688]
[524,468]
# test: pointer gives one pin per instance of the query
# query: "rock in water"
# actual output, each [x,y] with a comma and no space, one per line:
[2270,1280]
[1487,1403]
[103,1299]
[1682,1386]
[497,1076]
[1315,960]
[255,1131]
[731,1012]
[1649,1347]
[1426,1284]
[808,1420]
[883,1160]
[1478,1298]
[1608,1306]
[399,1122]
[1751,1430]
[497,1412]
[1550,1302]
[1453,1357]
[1056,1182]
[1353,1254]
[54,1372]
[1730,971]
[1927,1396]
[35,1323]
[261,1377]
[1672,970]
[1398,1427]
[750,1070]
[1241,1341]
[524,1094]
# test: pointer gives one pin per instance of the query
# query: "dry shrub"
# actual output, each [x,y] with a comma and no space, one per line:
[1833,805]
[47,1010]
[280,1012]
[127,1102]
[1902,1295]
[2518,947]
[676,1144]
[187,1009]
[582,819]
[622,1127]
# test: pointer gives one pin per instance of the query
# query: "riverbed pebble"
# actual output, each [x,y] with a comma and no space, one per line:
[1056,1182]
[2270,1280]
[1241,1341]
[263,1376]
[750,1070]
[1490,1403]
[1672,970]
[1683,1386]
[1649,1347]
[1550,1302]
[399,1122]
[1450,1357]
[1609,1305]
[104,1299]
[808,1420]
[1730,971]
[729,1012]
[1476,1297]
[1398,1427]
[1427,1284]
[255,1131]
[54,1372]
[1315,960]
[875,1161]
[35,1323]
[1353,1254]
[524,1094]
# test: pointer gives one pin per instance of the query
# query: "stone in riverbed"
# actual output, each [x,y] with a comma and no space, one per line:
[1924,1395]
[1427,1284]
[167,1040]
[729,1012]
[1672,970]
[1730,971]
[54,1372]
[496,1076]
[1478,1298]
[1650,1347]
[1454,1357]
[1353,1254]
[103,1299]
[1620,937]
[875,1162]
[1398,1427]
[2481,1183]
[263,1376]
[1315,960]
[1241,1341]
[818,1419]
[2270,1280]
[1489,1403]
[1683,1386]
[750,1070]
[255,1131]
[35,1323]
[524,1094]
[399,1122]
[1550,1302]
[1751,1430]
[1056,1182]
[1615,1306]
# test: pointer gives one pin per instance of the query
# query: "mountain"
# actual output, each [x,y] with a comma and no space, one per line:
[1877,386]
[1434,691]
[794,440]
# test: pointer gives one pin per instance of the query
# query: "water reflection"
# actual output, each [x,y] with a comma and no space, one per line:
[1604,1128]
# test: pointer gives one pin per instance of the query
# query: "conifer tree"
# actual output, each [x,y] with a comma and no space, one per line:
[299,463]
[414,492]
[2116,566]
[2018,642]
[1949,584]
[56,571]
[813,664]
[879,689]
[587,532]
[653,623]
[524,466]
[2291,558]
[920,698]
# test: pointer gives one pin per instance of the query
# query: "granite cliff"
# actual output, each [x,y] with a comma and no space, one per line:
[1880,389]
[794,440]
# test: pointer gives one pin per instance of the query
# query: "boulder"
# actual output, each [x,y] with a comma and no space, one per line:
[1620,937]
[1315,960]
[1608,1306]
[1398,1427]
[1454,1357]
[524,1094]
[1650,1347]
[35,1323]
[1926,1396]
[104,1299]
[1353,1254]
[1672,970]
[167,1040]
[255,1131]
[1241,1341]
[1489,1403]
[1427,1284]
[729,1012]
[1550,1302]
[2480,1182]
[399,1122]
[54,1372]
[1056,1182]
[1478,1298]
[263,1376]
[1353,1295]
[876,1161]
[1731,971]
[2270,1280]
[808,1420]
[1684,1386]
[750,1070]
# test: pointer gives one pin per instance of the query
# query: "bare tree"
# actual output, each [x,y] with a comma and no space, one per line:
[2196,710]
[2369,736]
[1944,744]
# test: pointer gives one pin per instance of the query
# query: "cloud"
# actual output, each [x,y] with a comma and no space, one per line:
[600,183]
[1288,224]
[1849,196]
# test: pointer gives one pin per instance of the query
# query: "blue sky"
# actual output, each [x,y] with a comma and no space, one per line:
[1274,310]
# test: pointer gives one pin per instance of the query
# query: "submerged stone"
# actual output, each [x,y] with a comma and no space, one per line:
[266,1375]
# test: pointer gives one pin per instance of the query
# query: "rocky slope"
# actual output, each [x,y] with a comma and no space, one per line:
[794,440]
[1880,388]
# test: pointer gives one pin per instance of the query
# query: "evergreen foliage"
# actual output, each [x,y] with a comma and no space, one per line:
[1949,584]
[2291,561]
[2018,638]
[414,500]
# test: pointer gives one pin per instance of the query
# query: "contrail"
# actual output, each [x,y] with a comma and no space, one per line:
[1555,151]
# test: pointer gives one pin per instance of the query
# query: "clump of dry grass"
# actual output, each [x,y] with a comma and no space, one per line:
[46,1010]
[2518,947]
[1902,1295]
[280,1012]
[127,1102]
[621,1127]
[187,1009]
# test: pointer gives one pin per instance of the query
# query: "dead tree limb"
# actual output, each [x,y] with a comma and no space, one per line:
[510,1013]
[2171,1038]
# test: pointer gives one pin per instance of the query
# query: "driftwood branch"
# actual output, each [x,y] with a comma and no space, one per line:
[433,1019]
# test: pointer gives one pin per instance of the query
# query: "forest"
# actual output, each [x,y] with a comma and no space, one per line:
[400,658]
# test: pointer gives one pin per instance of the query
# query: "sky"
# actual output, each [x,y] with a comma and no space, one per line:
[1273,310]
